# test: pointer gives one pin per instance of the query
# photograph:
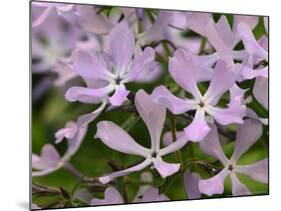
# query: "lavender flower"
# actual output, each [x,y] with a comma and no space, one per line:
[246,136]
[191,181]
[183,72]
[116,138]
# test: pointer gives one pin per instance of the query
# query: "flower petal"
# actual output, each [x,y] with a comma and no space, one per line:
[168,139]
[119,96]
[176,105]
[153,115]
[246,136]
[110,177]
[118,139]
[250,20]
[223,72]
[214,185]
[152,195]
[211,145]
[88,95]
[258,171]
[121,44]
[198,128]
[165,169]
[238,189]
[250,43]
[250,73]
[111,196]
[182,71]
[191,182]
[260,91]
[197,21]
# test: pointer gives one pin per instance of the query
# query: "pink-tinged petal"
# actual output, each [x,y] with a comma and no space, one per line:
[223,72]
[88,95]
[260,91]
[111,196]
[140,64]
[176,105]
[250,73]
[152,195]
[236,96]
[165,169]
[183,71]
[191,184]
[257,171]
[89,66]
[221,43]
[250,43]
[85,119]
[214,185]
[150,73]
[67,132]
[121,44]
[139,167]
[49,158]
[118,139]
[119,96]
[250,20]
[225,116]
[238,189]
[168,139]
[83,195]
[198,128]
[153,114]
[211,145]
[252,114]
[197,21]
[246,136]
[65,73]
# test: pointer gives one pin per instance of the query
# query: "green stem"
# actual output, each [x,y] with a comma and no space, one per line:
[174,138]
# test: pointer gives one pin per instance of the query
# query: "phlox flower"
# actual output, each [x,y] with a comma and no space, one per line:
[247,135]
[116,138]
[183,72]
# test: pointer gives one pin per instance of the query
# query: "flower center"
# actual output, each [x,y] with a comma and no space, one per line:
[230,167]
[201,104]
[154,154]
[118,80]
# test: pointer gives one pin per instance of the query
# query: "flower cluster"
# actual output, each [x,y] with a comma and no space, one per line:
[198,83]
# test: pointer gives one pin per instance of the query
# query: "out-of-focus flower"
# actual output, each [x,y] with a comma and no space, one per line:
[183,72]
[116,138]
[247,135]
[50,160]
[112,196]
[191,184]
[112,70]
[35,206]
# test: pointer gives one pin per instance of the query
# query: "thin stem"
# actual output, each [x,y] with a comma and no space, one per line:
[174,138]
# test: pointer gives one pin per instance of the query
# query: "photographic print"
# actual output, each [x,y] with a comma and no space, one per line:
[136,105]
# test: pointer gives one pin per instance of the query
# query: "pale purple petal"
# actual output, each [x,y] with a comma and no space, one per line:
[42,17]
[225,116]
[165,169]
[238,189]
[197,21]
[183,71]
[153,115]
[258,171]
[110,177]
[211,145]
[111,196]
[178,144]
[49,158]
[250,73]
[250,20]
[140,64]
[260,91]
[121,41]
[250,43]
[176,105]
[168,139]
[247,135]
[89,66]
[35,206]
[119,96]
[88,95]
[67,132]
[191,184]
[223,72]
[118,139]
[214,185]
[198,128]
[152,195]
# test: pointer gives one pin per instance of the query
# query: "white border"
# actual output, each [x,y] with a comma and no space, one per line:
[14,93]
